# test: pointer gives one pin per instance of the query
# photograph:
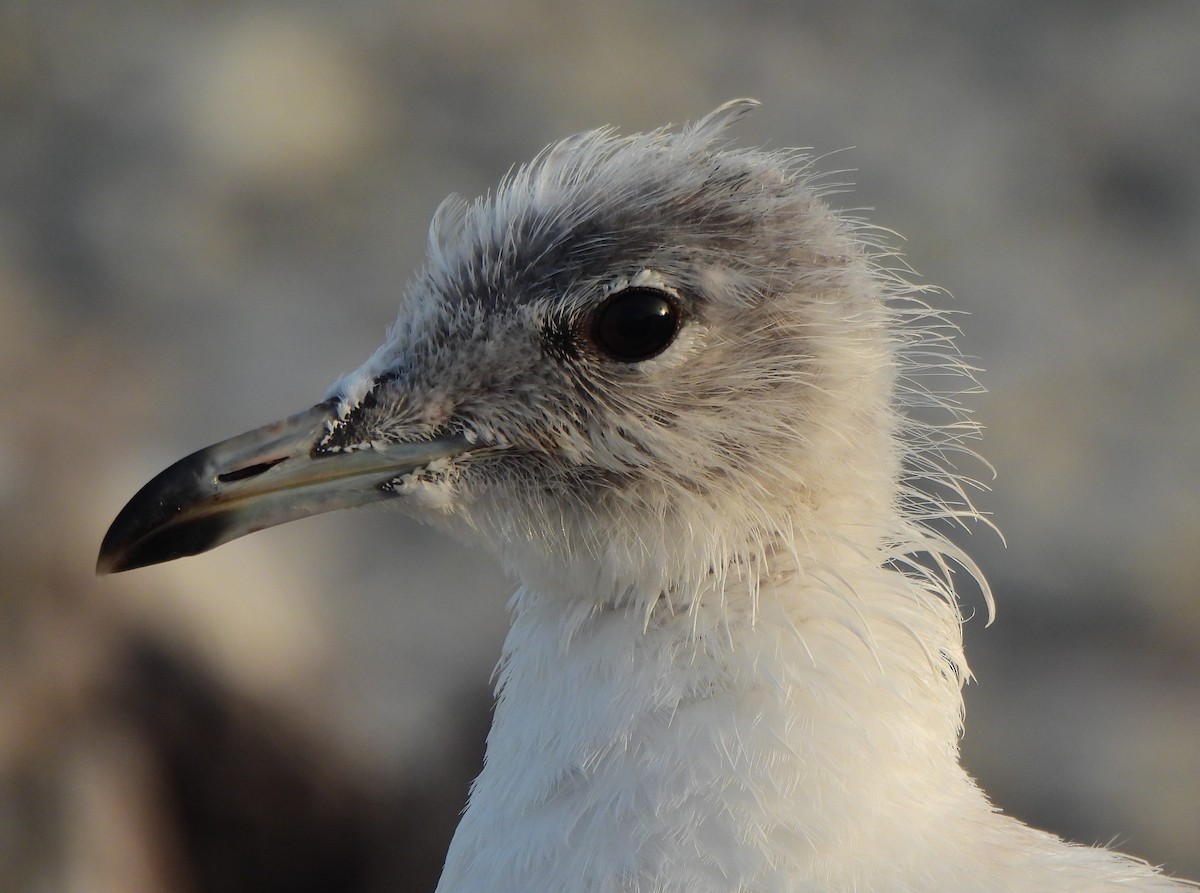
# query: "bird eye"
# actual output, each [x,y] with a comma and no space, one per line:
[636,324]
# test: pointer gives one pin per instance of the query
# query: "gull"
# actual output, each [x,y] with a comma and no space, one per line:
[707,423]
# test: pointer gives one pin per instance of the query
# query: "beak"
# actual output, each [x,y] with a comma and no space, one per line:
[256,480]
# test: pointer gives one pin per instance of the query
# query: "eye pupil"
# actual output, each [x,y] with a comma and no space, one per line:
[636,324]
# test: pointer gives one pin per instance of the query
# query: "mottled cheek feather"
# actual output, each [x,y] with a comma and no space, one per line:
[559,339]
[358,417]
[350,391]
[428,489]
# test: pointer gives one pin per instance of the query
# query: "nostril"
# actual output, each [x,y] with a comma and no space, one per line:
[249,471]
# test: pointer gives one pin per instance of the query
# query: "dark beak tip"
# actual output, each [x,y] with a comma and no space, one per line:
[109,561]
[128,547]
[119,541]
[114,561]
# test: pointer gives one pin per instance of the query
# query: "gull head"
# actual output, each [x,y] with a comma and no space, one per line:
[640,362]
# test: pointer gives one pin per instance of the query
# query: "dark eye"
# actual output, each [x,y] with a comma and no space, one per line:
[636,324]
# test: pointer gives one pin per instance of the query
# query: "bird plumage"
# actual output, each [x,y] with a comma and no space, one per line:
[735,660]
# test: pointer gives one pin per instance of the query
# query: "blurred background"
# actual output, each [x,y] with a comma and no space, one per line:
[207,212]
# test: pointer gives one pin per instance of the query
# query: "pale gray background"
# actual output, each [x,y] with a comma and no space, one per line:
[207,212]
